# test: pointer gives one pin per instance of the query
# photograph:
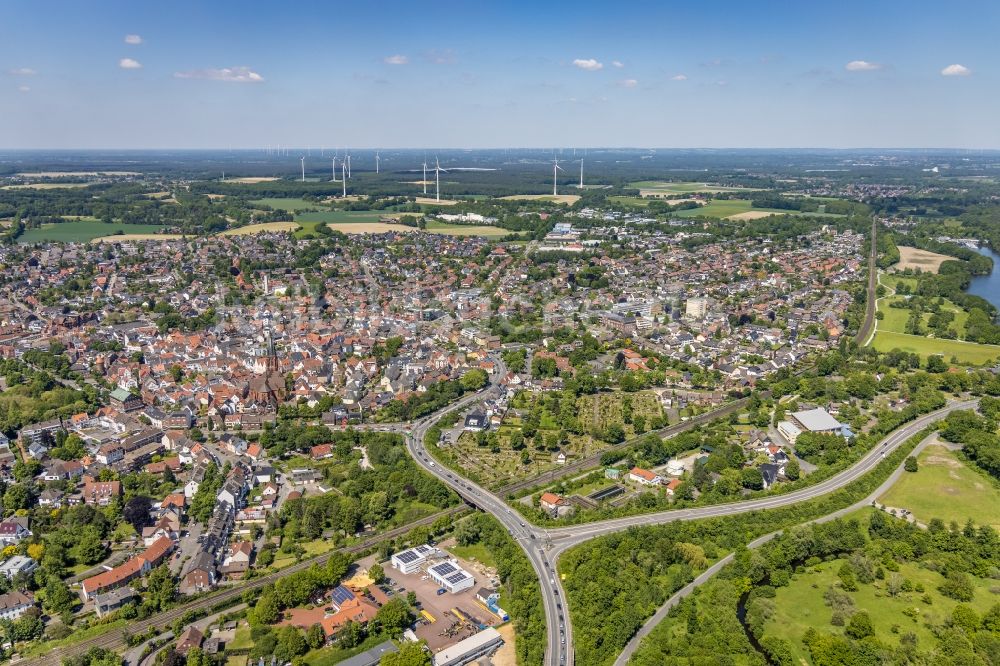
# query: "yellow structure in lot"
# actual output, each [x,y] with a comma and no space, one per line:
[427,616]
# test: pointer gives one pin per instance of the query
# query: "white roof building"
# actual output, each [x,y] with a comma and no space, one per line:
[815,420]
[411,559]
[451,576]
[471,648]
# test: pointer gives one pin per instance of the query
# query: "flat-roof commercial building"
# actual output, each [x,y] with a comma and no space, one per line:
[450,576]
[811,420]
[815,420]
[470,649]
[411,559]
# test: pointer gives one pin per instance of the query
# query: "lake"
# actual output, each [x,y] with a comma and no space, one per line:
[988,286]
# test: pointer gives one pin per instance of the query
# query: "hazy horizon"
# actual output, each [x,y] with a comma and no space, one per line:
[720,75]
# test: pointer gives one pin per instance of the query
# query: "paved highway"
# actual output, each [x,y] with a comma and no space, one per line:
[530,537]
[709,573]
[545,546]
[566,537]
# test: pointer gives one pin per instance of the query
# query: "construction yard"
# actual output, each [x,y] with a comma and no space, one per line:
[444,619]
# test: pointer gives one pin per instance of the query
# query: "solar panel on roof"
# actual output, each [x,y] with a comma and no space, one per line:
[444,569]
[407,556]
[341,594]
[456,577]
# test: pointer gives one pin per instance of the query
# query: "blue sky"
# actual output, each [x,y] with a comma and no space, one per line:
[187,74]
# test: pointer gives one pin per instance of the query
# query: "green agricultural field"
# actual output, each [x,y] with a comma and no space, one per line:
[966,352]
[945,487]
[344,216]
[83,230]
[800,606]
[727,207]
[291,204]
[684,188]
[637,202]
[487,231]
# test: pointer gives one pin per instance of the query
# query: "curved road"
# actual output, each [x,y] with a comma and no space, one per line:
[709,573]
[545,546]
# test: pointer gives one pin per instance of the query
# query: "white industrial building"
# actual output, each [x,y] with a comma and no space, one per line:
[470,649]
[812,420]
[412,559]
[450,576]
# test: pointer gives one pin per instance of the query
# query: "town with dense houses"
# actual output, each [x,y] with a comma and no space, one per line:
[308,445]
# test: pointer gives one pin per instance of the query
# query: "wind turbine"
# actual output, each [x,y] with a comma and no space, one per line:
[581,172]
[343,176]
[437,179]
[376,162]
[333,169]
[555,176]
[303,159]
[425,176]
[348,165]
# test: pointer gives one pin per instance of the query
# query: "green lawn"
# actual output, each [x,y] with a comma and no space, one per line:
[965,352]
[83,231]
[894,319]
[892,281]
[78,569]
[477,552]
[311,548]
[291,204]
[945,487]
[241,639]
[800,606]
[328,656]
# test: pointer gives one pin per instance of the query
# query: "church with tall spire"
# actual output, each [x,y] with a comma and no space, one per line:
[268,385]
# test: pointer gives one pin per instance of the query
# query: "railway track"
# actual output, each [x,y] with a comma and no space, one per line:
[115,638]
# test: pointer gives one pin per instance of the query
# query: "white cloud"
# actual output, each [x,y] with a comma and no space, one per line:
[679,77]
[128,63]
[628,83]
[133,39]
[956,70]
[23,89]
[396,60]
[589,64]
[618,63]
[229,74]
[21,71]
[861,66]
